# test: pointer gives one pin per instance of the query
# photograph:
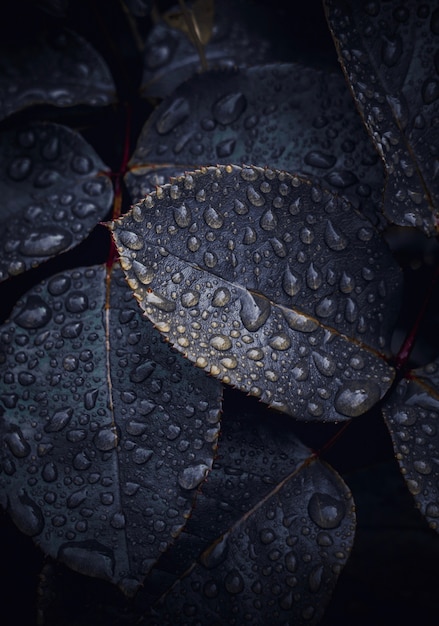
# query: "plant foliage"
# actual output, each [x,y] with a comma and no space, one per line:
[269,248]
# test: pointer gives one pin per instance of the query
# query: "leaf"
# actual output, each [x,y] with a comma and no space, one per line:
[390,56]
[269,283]
[286,116]
[268,538]
[54,191]
[106,432]
[411,415]
[242,35]
[58,68]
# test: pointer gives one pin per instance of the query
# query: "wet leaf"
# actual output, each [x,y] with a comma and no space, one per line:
[267,539]
[54,191]
[390,54]
[106,433]
[60,69]
[269,283]
[411,415]
[241,36]
[285,116]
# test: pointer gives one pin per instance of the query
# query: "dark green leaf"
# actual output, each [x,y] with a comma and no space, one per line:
[106,433]
[411,415]
[390,54]
[54,191]
[269,283]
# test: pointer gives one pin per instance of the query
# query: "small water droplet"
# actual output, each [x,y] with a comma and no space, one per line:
[193,243]
[17,443]
[106,438]
[391,50]
[326,511]
[190,298]
[281,341]
[192,476]
[341,178]
[268,221]
[313,277]
[300,322]
[233,582]
[77,302]
[130,240]
[256,199]
[356,397]
[326,307]
[334,239]
[20,168]
[216,554]
[182,216]
[430,90]
[225,148]
[290,282]
[26,514]
[228,109]
[59,420]
[316,158]
[142,455]
[221,297]
[279,247]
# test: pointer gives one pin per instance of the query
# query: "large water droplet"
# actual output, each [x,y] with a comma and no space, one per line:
[290,282]
[255,311]
[106,438]
[281,341]
[313,277]
[190,298]
[174,115]
[20,168]
[45,241]
[268,221]
[213,218]
[250,235]
[89,557]
[130,240]
[216,554]
[26,514]
[59,420]
[356,397]
[228,108]
[298,321]
[341,178]
[391,50]
[334,239]
[324,364]
[316,158]
[326,307]
[221,297]
[34,314]
[77,302]
[182,216]
[326,511]
[221,342]
[17,443]
[192,476]
[160,302]
[144,273]
[225,148]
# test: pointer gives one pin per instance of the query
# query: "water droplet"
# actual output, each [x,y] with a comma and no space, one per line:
[193,244]
[334,239]
[130,240]
[356,397]
[210,589]
[315,578]
[300,322]
[290,282]
[34,314]
[182,216]
[221,342]
[17,443]
[142,455]
[225,148]
[77,302]
[89,557]
[256,199]
[267,536]
[423,467]
[215,554]
[324,364]
[229,363]
[326,307]
[239,207]
[192,476]
[210,259]
[76,498]
[144,274]
[49,472]
[316,158]
[281,341]
[326,511]
[20,168]
[72,331]
[228,108]
[233,582]
[160,302]
[250,236]
[174,115]
[341,178]
[279,247]
[106,438]
[221,297]
[59,420]
[313,277]
[430,91]
[268,221]
[190,298]
[45,242]
[213,218]
[90,398]
[255,311]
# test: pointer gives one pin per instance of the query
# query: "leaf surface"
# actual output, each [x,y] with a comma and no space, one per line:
[285,116]
[106,433]
[54,191]
[58,68]
[271,531]
[241,36]
[411,414]
[390,55]
[268,282]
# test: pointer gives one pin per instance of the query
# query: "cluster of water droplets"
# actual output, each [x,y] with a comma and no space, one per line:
[260,278]
[412,414]
[396,85]
[244,117]
[61,70]
[274,553]
[53,193]
[105,431]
